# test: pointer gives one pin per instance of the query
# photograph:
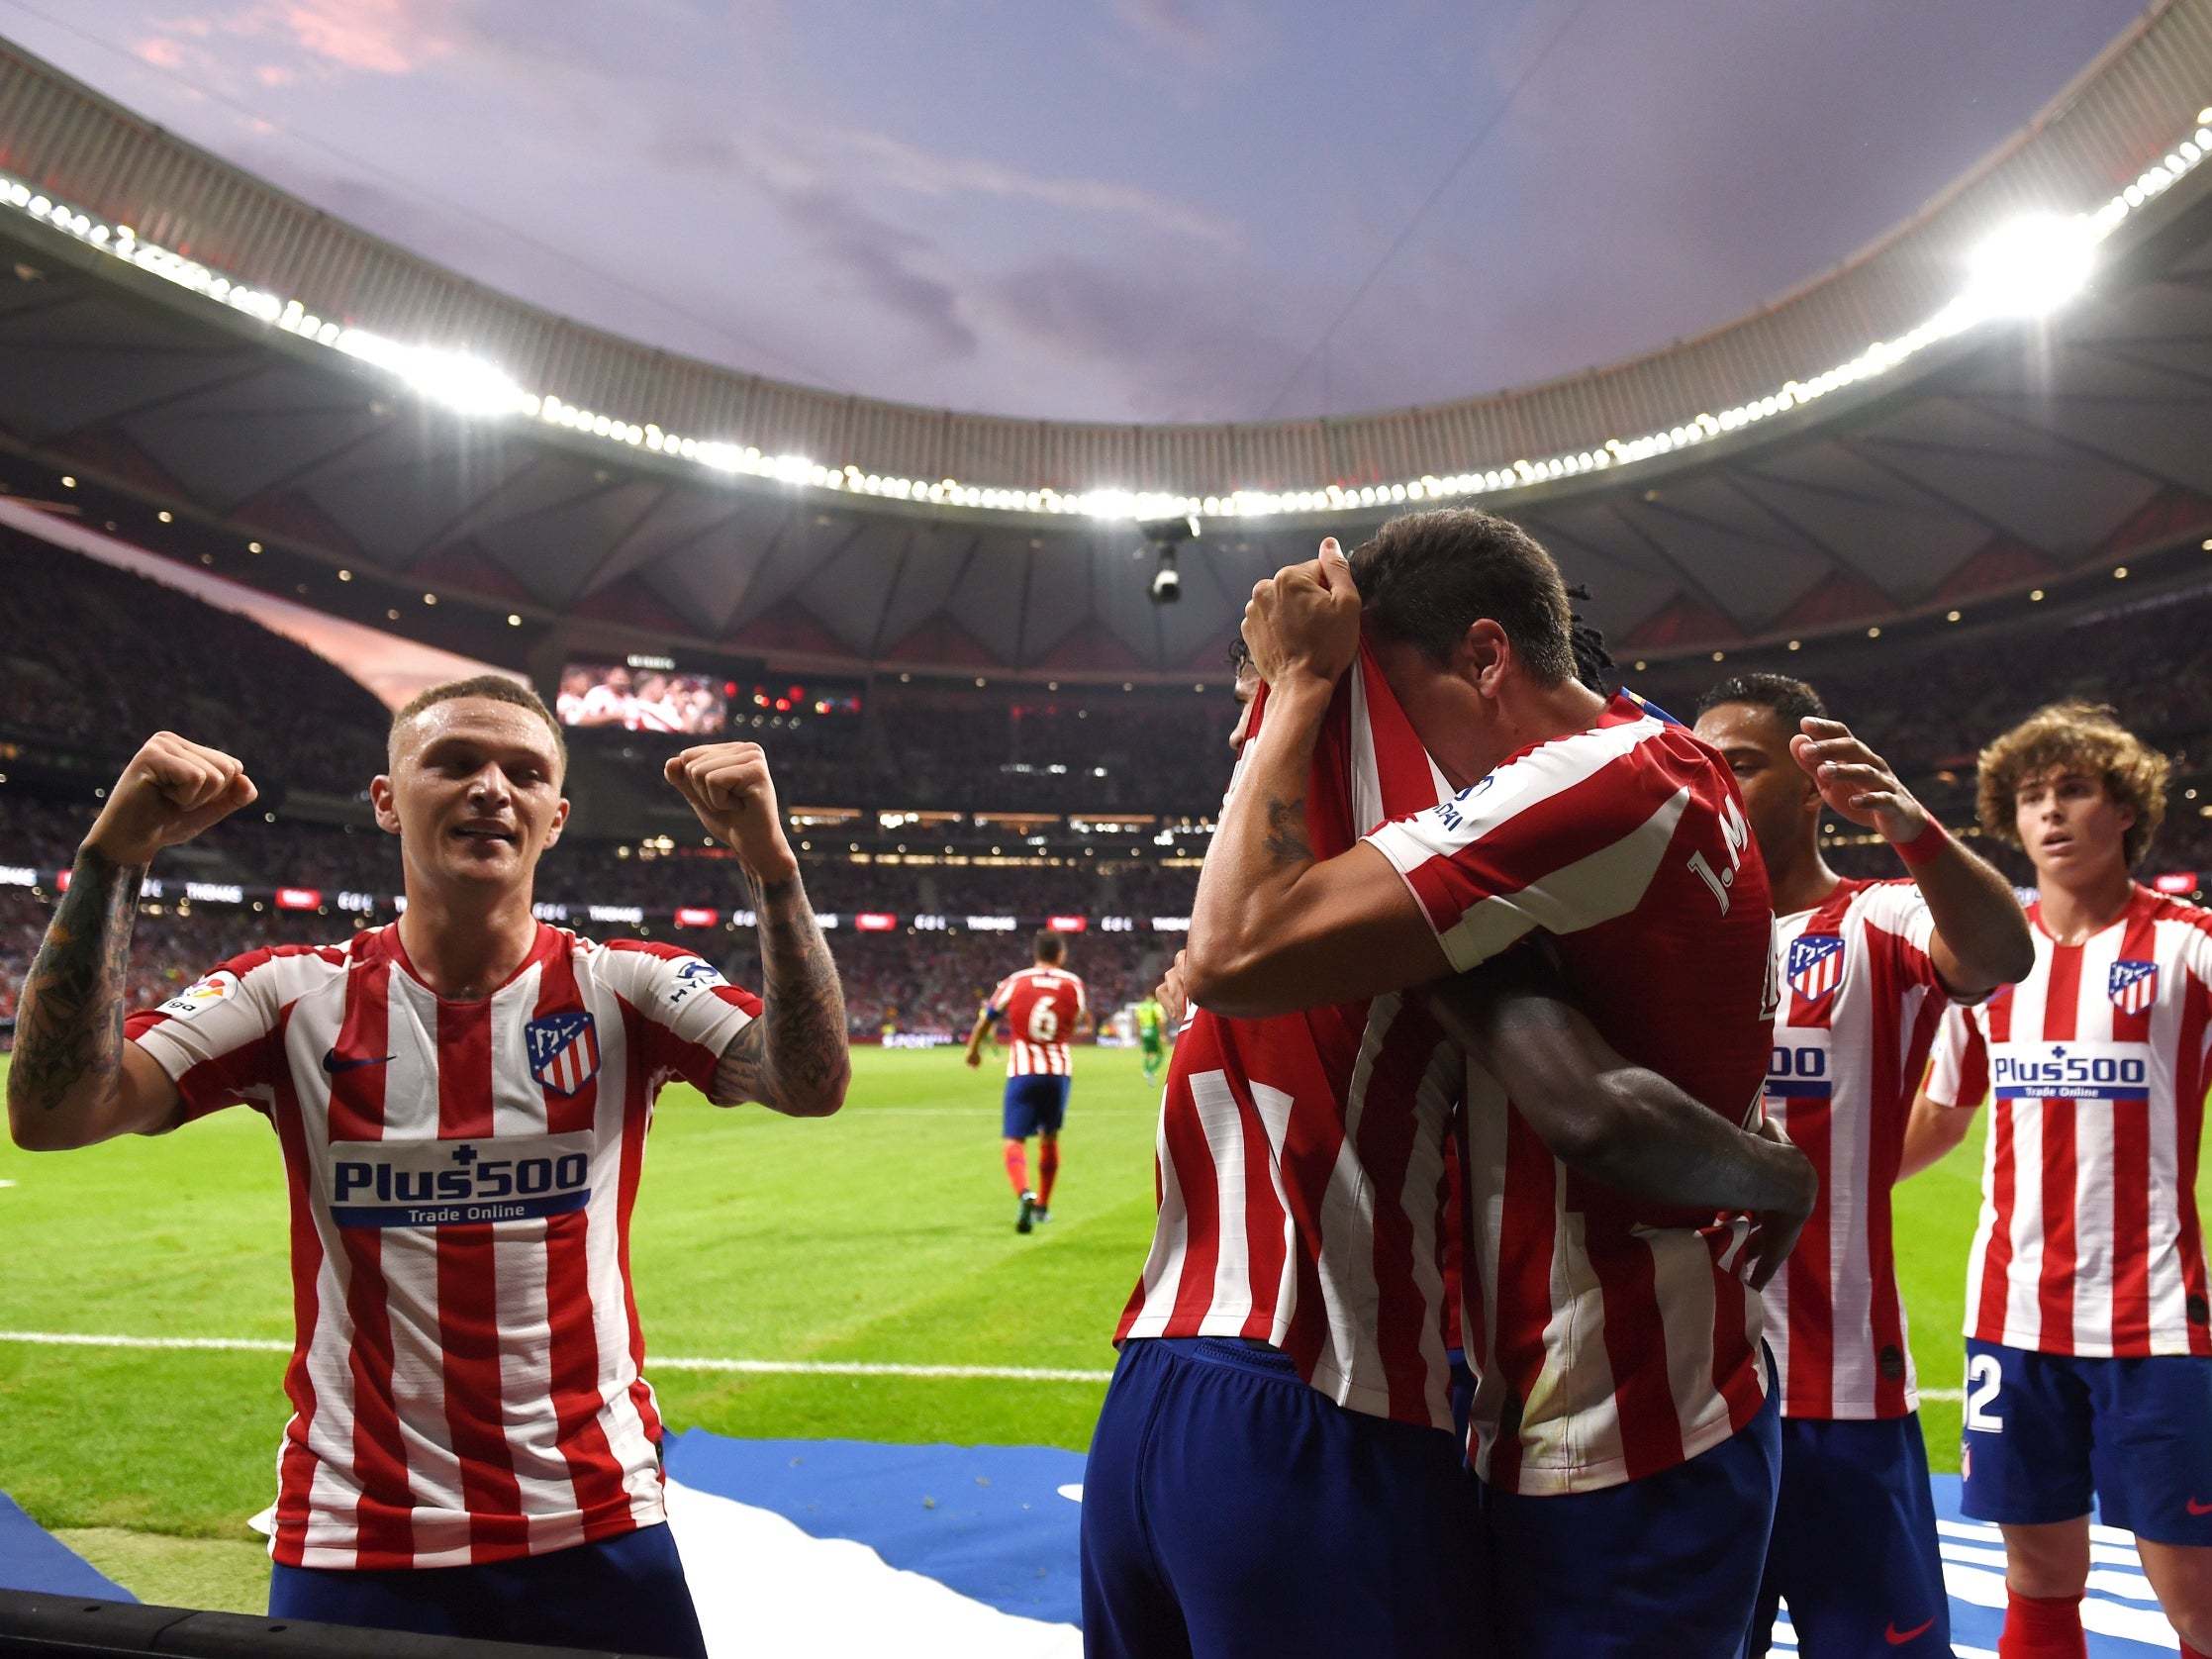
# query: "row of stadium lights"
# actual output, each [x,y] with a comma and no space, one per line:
[2027,268]
[1873,631]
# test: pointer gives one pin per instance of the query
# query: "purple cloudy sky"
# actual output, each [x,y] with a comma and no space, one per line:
[1141,209]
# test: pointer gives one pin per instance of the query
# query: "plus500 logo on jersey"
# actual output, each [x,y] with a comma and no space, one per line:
[1798,1065]
[458,1183]
[2106,1071]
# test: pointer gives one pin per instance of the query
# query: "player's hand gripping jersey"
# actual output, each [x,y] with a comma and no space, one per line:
[1861,1004]
[1611,1339]
[2088,1242]
[1040,1007]
[466,1384]
[1290,1212]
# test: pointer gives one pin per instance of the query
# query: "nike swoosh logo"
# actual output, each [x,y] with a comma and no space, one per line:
[1898,1638]
[333,1066]
[2198,1508]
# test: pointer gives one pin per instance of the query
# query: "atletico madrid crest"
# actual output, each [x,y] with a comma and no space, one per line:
[1816,963]
[563,1051]
[2133,985]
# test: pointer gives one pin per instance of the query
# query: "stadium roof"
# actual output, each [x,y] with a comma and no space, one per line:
[1881,442]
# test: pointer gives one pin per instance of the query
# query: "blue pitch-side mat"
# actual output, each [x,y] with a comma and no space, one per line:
[990,1522]
[985,1521]
[32,1558]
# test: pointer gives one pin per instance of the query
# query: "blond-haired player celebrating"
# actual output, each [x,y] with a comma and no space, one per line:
[461,1098]
[2088,1336]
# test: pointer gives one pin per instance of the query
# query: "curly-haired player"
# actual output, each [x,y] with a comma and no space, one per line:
[2088,1330]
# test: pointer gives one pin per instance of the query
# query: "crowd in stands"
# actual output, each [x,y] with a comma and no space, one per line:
[165,659]
[903,981]
[98,658]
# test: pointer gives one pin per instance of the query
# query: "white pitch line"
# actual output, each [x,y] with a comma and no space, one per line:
[747,1367]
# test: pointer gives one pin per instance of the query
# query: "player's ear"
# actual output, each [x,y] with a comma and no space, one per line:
[560,817]
[1484,655]
[385,802]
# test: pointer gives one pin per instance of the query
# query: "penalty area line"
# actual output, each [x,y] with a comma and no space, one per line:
[677,1362]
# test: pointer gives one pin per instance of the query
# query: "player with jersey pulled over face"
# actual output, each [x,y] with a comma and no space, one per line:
[461,1100]
[2088,1329]
[1044,1007]
[1867,968]
[1274,1470]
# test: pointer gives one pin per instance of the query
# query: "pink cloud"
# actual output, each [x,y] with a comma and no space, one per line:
[384,37]
[274,74]
[161,53]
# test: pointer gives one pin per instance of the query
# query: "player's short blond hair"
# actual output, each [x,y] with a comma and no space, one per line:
[499,688]
[2075,736]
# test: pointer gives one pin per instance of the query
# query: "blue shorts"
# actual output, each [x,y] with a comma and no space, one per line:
[1666,1567]
[2043,1431]
[1034,1105]
[1230,1512]
[627,1594]
[1462,1393]
[1854,1551]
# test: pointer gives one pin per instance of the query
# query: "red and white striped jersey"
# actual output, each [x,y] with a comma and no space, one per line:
[466,1382]
[1860,1000]
[1300,1160]
[2088,1241]
[1040,1007]
[1611,1339]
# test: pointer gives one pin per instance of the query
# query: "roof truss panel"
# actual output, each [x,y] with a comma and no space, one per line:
[406,502]
[231,457]
[988,599]
[551,553]
[2021,482]
[1901,537]
[2158,439]
[47,391]
[851,585]
[1750,562]
[1058,597]
[679,516]
[917,588]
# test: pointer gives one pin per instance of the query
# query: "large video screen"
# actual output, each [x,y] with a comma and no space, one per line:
[641,696]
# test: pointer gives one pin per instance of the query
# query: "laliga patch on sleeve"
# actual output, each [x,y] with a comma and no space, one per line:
[693,975]
[195,1000]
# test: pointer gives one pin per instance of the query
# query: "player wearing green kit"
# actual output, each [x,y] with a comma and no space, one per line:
[1152,1036]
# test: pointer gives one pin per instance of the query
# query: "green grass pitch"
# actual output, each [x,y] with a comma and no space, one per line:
[882,1234]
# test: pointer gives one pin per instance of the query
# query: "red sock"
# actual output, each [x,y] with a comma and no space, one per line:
[2041,1628]
[1017,1167]
[1048,1165]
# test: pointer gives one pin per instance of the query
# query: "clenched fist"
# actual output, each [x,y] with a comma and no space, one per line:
[729,787]
[1305,620]
[172,790]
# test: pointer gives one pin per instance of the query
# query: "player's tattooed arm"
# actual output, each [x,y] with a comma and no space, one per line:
[1286,841]
[70,1081]
[793,1060]
[1273,929]
[1615,1122]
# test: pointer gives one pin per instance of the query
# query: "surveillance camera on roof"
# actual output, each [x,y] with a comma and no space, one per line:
[1166,586]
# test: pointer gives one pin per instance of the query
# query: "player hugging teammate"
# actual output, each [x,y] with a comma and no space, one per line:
[1263,1477]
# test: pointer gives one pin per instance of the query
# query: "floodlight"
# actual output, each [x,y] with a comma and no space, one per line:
[2032,266]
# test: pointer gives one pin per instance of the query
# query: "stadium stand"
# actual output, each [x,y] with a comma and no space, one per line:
[935,760]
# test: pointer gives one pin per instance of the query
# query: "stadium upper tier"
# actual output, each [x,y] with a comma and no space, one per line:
[1890,439]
